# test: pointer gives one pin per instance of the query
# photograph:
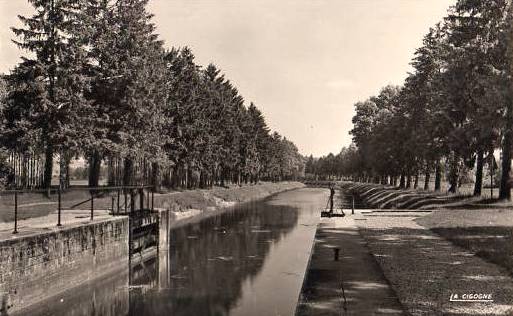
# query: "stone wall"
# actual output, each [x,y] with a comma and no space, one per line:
[39,266]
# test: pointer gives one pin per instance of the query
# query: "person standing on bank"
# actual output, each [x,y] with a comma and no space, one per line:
[332,196]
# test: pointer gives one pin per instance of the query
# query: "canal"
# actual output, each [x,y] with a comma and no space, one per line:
[249,260]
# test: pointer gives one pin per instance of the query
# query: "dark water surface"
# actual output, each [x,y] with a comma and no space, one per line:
[249,260]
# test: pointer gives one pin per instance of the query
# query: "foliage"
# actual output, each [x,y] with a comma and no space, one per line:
[455,106]
[100,84]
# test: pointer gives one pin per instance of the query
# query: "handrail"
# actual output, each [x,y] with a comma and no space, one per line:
[77,188]
[127,190]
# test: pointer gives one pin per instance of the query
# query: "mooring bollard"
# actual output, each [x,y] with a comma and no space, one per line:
[15,212]
[59,207]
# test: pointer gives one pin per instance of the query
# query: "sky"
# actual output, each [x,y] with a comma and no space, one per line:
[304,63]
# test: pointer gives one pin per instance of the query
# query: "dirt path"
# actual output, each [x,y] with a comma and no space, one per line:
[425,269]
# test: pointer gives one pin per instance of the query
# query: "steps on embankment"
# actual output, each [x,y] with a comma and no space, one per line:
[384,197]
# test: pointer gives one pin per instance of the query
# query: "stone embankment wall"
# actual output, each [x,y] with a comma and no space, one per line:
[39,266]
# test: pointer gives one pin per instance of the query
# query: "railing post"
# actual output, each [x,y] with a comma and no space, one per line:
[92,205]
[126,206]
[352,203]
[15,212]
[59,206]
[112,204]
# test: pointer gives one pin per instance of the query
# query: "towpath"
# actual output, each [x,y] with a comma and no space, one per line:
[352,285]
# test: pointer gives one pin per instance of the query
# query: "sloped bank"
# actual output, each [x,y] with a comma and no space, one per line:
[388,197]
[191,205]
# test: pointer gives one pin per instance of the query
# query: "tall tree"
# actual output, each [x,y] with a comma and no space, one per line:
[53,36]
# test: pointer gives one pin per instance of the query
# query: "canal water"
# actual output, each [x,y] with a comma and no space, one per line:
[249,260]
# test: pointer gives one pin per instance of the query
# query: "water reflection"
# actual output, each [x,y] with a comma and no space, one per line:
[209,261]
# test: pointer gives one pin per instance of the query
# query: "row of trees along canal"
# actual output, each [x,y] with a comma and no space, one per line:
[98,83]
[452,113]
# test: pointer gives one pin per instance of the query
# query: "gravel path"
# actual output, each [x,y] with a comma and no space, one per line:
[425,269]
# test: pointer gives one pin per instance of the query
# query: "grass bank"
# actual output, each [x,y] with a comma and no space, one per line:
[389,197]
[184,203]
[187,204]
[461,244]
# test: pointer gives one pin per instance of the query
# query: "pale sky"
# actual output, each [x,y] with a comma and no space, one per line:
[304,63]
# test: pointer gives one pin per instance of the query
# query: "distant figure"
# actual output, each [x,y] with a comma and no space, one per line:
[332,195]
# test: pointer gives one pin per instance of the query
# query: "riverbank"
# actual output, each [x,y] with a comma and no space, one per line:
[186,205]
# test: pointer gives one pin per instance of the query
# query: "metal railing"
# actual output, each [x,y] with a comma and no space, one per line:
[129,194]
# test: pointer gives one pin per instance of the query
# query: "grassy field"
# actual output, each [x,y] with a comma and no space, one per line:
[488,233]
[36,204]
[464,244]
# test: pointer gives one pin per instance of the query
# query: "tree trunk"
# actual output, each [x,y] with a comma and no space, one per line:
[95,163]
[156,179]
[62,170]
[47,177]
[186,178]
[402,181]
[438,176]
[111,173]
[426,180]
[408,182]
[479,174]
[24,171]
[505,185]
[416,181]
[128,171]
[221,174]
[453,173]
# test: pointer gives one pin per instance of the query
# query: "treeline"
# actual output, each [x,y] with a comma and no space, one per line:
[334,167]
[99,84]
[455,108]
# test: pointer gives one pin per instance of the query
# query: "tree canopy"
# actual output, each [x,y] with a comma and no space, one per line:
[98,83]
[452,113]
